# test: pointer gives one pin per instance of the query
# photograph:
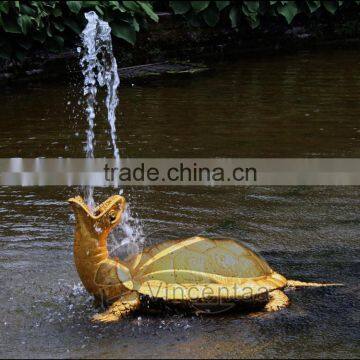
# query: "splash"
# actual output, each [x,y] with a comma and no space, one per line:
[99,68]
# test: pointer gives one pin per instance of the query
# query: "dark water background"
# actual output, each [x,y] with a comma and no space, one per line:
[300,105]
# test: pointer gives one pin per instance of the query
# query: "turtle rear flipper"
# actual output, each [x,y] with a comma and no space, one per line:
[277,301]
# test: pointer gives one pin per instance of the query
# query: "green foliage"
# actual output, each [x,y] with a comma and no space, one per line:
[25,25]
[251,12]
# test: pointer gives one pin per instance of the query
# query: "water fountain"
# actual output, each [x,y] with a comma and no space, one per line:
[99,68]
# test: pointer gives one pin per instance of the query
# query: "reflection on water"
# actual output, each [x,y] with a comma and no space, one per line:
[300,105]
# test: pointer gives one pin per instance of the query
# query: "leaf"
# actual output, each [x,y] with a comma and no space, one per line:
[211,16]
[199,5]
[90,4]
[73,25]
[254,21]
[136,25]
[289,10]
[221,5]
[24,9]
[124,31]
[11,26]
[117,6]
[99,10]
[47,4]
[57,12]
[180,7]
[313,5]
[253,6]
[24,22]
[4,7]
[251,15]
[246,10]
[39,22]
[131,5]
[74,6]
[149,11]
[48,30]
[234,16]
[59,26]
[59,41]
[330,6]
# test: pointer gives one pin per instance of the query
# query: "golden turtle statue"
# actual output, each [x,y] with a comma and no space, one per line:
[196,272]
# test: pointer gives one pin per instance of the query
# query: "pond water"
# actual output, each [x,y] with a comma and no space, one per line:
[300,105]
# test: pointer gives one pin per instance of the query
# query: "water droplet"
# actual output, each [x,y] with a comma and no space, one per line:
[102,71]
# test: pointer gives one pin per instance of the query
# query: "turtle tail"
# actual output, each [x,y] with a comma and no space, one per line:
[296,284]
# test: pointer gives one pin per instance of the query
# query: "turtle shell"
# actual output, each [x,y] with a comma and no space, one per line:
[200,268]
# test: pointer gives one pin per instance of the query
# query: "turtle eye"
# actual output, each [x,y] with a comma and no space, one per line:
[112,216]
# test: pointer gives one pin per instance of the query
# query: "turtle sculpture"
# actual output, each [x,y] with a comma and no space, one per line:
[186,272]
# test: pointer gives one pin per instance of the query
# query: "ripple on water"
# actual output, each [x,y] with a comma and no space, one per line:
[306,233]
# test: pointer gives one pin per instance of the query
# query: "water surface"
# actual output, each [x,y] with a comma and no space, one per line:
[277,106]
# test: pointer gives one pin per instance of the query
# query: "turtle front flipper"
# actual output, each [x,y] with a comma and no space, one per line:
[277,301]
[128,303]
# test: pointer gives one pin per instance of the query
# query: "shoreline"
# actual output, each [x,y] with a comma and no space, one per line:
[171,49]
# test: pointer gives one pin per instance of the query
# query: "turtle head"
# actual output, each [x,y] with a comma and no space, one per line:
[98,222]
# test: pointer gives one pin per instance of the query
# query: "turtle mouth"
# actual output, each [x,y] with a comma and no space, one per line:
[114,205]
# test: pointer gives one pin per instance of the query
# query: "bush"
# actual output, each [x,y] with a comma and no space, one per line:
[209,13]
[50,25]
